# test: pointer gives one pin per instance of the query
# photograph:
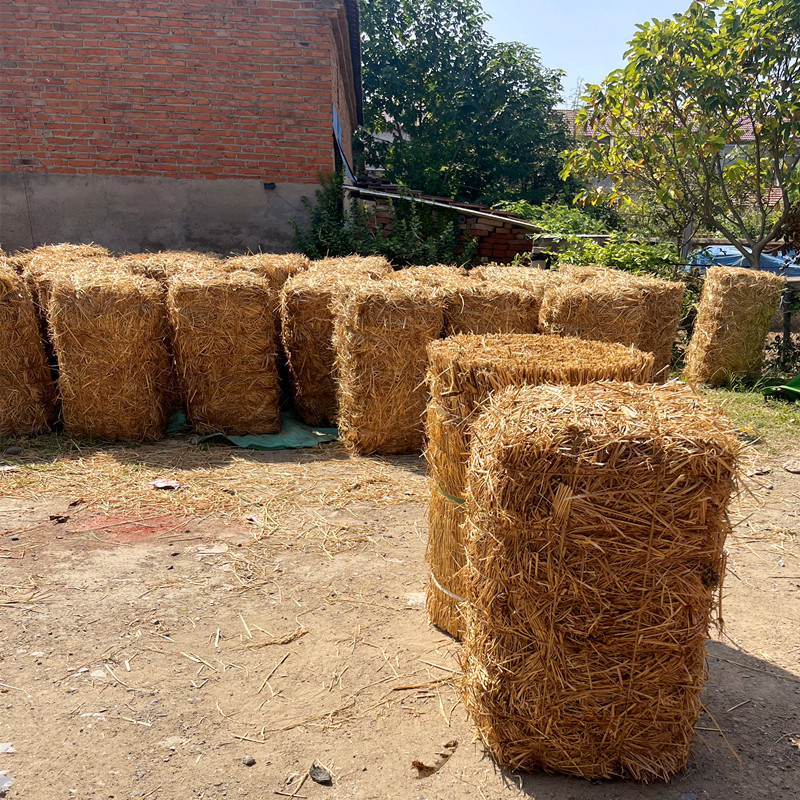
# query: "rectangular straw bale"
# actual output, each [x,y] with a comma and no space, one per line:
[606,311]
[109,329]
[732,323]
[659,315]
[481,307]
[463,373]
[367,266]
[224,338]
[597,519]
[381,336]
[308,306]
[27,394]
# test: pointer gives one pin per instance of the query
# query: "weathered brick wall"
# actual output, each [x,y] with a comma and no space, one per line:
[235,89]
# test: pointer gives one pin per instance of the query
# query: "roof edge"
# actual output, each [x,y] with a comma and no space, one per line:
[354,27]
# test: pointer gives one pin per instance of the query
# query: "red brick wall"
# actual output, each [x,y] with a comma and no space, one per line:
[234,89]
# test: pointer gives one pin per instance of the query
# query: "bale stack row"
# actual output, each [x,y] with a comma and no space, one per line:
[463,373]
[597,517]
[107,321]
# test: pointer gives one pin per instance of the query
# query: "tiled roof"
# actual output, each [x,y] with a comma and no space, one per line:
[570,115]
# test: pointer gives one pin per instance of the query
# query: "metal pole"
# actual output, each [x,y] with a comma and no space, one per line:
[786,345]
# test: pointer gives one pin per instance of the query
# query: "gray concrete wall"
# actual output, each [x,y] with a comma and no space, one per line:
[131,214]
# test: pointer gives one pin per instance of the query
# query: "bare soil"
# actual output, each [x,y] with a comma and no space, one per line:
[146,653]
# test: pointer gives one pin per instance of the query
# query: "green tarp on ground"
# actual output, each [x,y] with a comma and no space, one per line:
[790,390]
[293,434]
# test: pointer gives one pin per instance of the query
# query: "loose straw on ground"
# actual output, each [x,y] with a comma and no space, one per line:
[463,373]
[732,323]
[597,519]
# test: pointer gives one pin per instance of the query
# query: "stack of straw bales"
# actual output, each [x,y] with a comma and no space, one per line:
[611,305]
[597,520]
[382,332]
[223,335]
[732,323]
[109,329]
[463,373]
[308,306]
[27,395]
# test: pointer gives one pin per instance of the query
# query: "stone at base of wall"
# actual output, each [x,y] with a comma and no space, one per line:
[132,214]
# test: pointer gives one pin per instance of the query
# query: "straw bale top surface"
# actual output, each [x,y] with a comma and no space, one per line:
[559,355]
[320,281]
[53,256]
[276,267]
[744,276]
[531,278]
[208,279]
[373,266]
[162,265]
[584,423]
[99,274]
[433,274]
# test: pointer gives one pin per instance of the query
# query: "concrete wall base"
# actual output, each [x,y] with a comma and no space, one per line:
[132,214]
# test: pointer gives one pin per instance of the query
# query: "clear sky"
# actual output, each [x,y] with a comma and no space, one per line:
[585,38]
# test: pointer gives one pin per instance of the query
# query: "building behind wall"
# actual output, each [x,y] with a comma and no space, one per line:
[158,124]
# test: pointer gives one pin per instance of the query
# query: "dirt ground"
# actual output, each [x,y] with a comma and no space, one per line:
[152,640]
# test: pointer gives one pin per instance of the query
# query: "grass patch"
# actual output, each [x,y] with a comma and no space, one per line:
[774,425]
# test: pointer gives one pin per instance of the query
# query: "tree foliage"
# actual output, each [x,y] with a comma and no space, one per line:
[703,121]
[467,117]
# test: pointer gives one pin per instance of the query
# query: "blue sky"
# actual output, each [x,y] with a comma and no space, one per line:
[585,38]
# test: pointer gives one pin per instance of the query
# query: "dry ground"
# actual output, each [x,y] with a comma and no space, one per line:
[273,608]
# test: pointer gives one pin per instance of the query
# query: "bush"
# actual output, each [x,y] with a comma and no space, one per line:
[420,234]
[555,218]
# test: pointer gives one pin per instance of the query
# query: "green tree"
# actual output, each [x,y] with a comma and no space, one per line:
[467,118]
[703,122]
